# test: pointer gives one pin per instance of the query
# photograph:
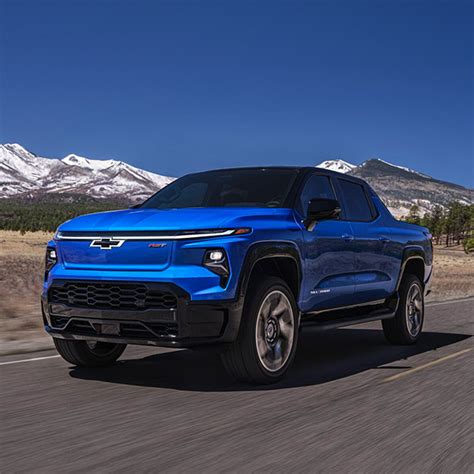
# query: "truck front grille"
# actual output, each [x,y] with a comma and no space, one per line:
[112,296]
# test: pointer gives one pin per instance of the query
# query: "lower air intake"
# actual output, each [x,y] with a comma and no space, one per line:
[112,296]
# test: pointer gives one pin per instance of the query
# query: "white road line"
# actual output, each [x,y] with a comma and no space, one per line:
[28,360]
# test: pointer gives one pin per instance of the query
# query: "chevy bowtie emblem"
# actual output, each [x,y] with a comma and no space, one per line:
[106,243]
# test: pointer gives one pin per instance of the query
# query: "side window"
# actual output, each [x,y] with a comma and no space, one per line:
[317,186]
[357,207]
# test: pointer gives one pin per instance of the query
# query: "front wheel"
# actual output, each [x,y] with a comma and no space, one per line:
[405,328]
[268,335]
[88,353]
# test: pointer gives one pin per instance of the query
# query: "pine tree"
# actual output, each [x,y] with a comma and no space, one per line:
[413,215]
[436,223]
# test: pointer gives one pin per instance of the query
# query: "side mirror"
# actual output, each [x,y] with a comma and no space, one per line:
[321,209]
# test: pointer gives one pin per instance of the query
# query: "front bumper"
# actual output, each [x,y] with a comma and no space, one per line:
[187,324]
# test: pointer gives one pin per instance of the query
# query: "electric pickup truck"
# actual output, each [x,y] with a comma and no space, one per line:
[244,259]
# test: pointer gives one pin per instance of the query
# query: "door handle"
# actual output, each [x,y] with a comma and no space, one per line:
[347,237]
[384,240]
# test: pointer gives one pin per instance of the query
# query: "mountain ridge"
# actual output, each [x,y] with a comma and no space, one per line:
[25,174]
[401,187]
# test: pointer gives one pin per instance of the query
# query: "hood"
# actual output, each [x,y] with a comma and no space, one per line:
[174,219]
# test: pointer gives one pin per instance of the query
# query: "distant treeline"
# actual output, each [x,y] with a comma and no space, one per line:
[451,226]
[47,212]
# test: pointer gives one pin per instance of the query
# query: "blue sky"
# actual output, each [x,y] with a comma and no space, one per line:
[178,86]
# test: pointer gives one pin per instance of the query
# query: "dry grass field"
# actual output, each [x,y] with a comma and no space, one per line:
[21,279]
[21,273]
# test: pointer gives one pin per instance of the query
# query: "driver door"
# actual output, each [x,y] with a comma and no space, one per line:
[328,253]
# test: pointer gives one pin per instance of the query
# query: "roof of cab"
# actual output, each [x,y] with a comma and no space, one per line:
[301,169]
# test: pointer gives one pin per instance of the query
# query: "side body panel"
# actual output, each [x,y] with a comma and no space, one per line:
[377,262]
[329,260]
[382,246]
[328,250]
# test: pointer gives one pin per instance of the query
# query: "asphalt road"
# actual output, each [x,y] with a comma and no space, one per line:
[351,403]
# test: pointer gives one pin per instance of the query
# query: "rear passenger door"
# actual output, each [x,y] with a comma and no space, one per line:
[372,245]
[328,252]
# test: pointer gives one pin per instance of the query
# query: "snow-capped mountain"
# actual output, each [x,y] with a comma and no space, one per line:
[24,173]
[401,187]
[340,166]
[344,167]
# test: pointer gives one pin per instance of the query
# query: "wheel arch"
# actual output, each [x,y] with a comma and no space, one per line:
[281,259]
[413,263]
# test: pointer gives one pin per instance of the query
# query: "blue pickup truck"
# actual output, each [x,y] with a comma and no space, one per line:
[245,259]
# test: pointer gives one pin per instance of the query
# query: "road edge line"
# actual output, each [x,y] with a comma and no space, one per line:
[34,359]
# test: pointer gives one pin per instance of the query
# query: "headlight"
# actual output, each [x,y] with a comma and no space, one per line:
[50,260]
[216,256]
[216,261]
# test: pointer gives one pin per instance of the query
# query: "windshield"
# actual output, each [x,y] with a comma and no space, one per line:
[262,187]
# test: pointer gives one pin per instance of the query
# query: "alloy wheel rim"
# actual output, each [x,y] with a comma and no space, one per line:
[274,334]
[414,310]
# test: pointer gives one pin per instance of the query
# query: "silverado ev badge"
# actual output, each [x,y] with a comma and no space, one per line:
[106,243]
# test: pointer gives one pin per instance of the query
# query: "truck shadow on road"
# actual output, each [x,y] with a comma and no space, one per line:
[320,358]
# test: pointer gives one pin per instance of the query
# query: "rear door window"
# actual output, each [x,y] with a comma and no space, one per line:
[357,207]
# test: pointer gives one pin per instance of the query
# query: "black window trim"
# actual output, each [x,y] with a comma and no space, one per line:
[372,195]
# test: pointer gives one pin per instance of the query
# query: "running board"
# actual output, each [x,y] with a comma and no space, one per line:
[349,316]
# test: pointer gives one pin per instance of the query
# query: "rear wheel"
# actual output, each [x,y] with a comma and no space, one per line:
[405,327]
[89,353]
[268,336]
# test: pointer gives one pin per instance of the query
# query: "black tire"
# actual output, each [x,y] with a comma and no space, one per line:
[402,328]
[276,333]
[82,354]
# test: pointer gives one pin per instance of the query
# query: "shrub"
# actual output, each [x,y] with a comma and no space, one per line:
[468,245]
